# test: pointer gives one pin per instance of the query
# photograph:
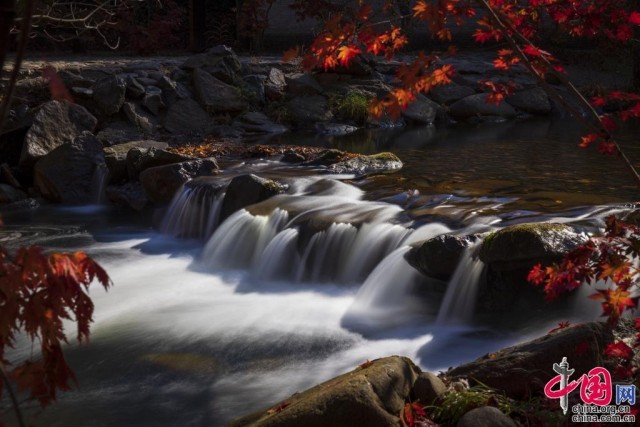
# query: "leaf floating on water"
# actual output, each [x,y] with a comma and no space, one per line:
[278,408]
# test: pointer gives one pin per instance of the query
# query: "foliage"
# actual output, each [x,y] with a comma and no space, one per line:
[456,403]
[353,106]
[37,293]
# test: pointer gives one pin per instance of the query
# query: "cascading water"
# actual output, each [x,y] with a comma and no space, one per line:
[99,183]
[459,301]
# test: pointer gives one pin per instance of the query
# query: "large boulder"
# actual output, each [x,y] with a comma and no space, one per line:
[300,84]
[422,111]
[428,388]
[371,396]
[256,123]
[478,105]
[485,416]
[219,61]
[161,183]
[141,158]
[130,195]
[306,111]
[57,123]
[533,101]
[366,165]
[438,257]
[118,133]
[523,370]
[186,116]
[71,173]
[139,117]
[246,190]
[448,94]
[215,95]
[275,84]
[116,157]
[109,94]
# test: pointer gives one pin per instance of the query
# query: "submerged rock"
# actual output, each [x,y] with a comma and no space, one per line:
[246,190]
[439,257]
[365,165]
[160,183]
[369,396]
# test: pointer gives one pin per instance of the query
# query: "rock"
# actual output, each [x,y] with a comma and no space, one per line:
[255,84]
[292,157]
[130,195]
[366,165]
[335,129]
[215,95]
[69,172]
[116,157]
[9,194]
[275,85]
[71,79]
[82,92]
[256,123]
[109,94]
[146,81]
[371,396]
[172,91]
[117,133]
[152,100]
[523,370]
[422,111]
[439,257]
[220,61]
[161,183]
[427,388]
[305,111]
[57,123]
[21,205]
[246,190]
[533,101]
[300,84]
[448,94]
[186,116]
[524,245]
[477,105]
[140,118]
[141,158]
[485,416]
[134,88]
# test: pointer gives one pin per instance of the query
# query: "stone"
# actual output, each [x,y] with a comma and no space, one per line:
[21,205]
[366,165]
[70,172]
[422,111]
[172,91]
[255,84]
[292,157]
[335,128]
[109,94]
[275,85]
[428,388]
[130,195]
[523,370]
[118,132]
[142,158]
[152,100]
[220,61]
[71,79]
[485,416]
[55,124]
[477,105]
[215,95]
[10,194]
[134,88]
[370,396]
[82,92]
[246,190]
[160,183]
[532,101]
[116,157]
[300,84]
[140,118]
[256,123]
[439,257]
[448,94]
[306,111]
[186,116]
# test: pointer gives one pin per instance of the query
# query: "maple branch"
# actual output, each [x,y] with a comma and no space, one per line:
[12,395]
[508,30]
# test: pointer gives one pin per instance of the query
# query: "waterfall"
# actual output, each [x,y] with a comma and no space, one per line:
[459,301]
[99,182]
[194,211]
[280,259]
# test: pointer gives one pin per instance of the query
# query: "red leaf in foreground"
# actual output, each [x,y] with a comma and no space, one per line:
[619,349]
[634,18]
[413,413]
[278,408]
[561,326]
[365,364]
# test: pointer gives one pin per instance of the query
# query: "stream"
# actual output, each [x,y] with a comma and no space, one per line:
[247,311]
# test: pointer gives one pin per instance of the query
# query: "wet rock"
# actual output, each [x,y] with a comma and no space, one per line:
[55,124]
[275,85]
[9,194]
[422,111]
[256,123]
[301,84]
[109,94]
[141,158]
[292,157]
[130,195]
[439,257]
[477,105]
[186,116]
[427,388]
[485,416]
[533,101]
[152,100]
[306,111]
[116,157]
[365,165]
[160,183]
[215,95]
[134,88]
[523,370]
[69,172]
[335,128]
[246,190]
[373,396]
[140,118]
[117,133]
[21,205]
[448,94]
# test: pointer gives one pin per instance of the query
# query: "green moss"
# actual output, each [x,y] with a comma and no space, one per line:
[455,404]
[278,112]
[352,107]
[385,157]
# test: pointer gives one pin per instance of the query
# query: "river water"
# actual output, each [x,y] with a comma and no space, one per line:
[199,331]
